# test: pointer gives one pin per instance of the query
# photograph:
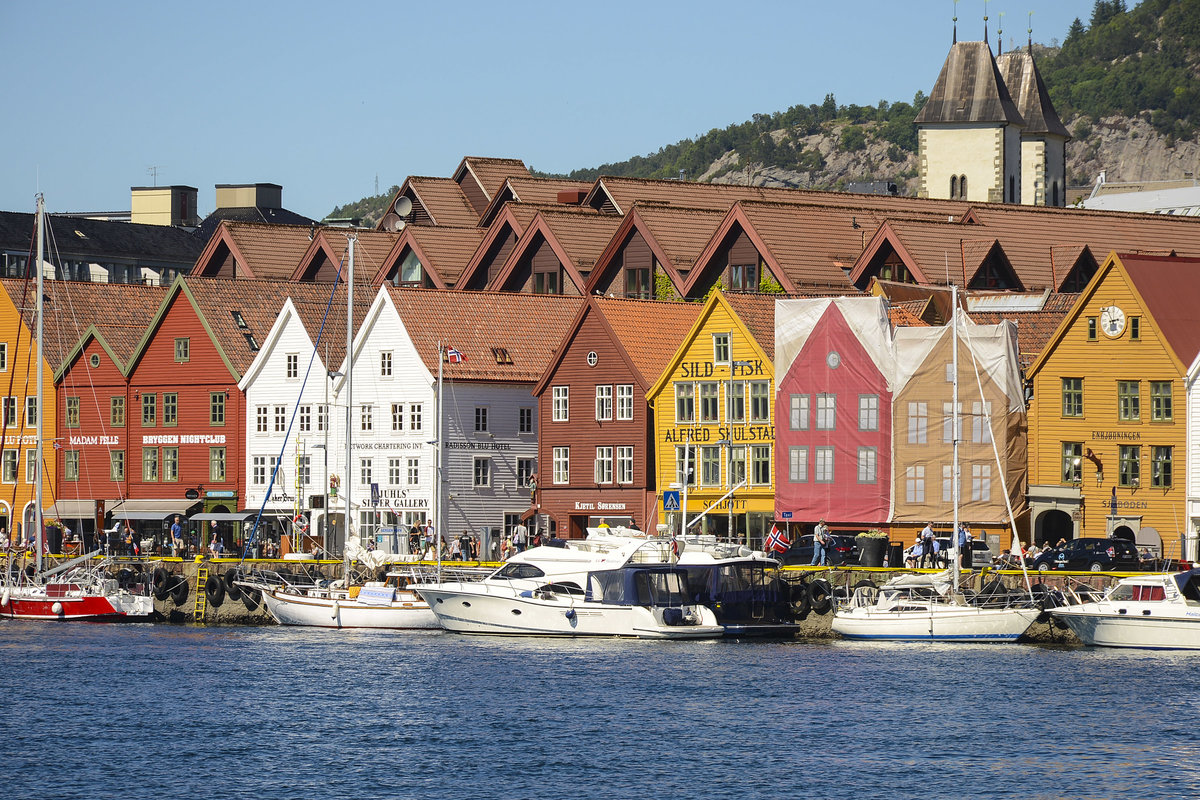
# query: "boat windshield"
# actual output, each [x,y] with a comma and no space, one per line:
[1137,591]
[518,569]
[638,587]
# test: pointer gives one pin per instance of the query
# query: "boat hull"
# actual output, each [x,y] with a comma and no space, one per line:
[939,624]
[329,612]
[475,608]
[85,607]
[1105,627]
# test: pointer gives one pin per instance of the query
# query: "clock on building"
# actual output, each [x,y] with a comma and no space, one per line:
[1112,321]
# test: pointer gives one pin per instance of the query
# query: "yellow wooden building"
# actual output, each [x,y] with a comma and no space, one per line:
[1107,421]
[18,412]
[714,419]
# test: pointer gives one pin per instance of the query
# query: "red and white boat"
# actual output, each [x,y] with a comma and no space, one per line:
[76,590]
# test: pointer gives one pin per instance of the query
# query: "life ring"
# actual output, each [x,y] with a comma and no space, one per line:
[214,591]
[820,595]
[161,580]
[801,605]
[179,592]
[232,589]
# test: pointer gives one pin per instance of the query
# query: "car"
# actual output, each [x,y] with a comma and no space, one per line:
[843,551]
[981,554]
[1094,554]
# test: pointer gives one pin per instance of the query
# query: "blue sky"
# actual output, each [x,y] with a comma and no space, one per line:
[325,98]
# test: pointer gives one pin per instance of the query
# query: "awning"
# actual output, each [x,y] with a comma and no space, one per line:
[222,516]
[148,509]
[72,509]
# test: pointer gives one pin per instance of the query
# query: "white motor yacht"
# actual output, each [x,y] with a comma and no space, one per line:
[1156,611]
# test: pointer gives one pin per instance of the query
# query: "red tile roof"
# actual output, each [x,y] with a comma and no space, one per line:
[443,199]
[649,346]
[1170,288]
[261,250]
[757,313]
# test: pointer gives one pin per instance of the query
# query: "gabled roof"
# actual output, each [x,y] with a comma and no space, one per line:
[332,246]
[522,189]
[115,312]
[1029,93]
[505,336]
[266,216]
[443,250]
[969,89]
[757,313]
[1034,328]
[259,250]
[490,173]
[513,218]
[436,201]
[577,237]
[82,239]
[675,235]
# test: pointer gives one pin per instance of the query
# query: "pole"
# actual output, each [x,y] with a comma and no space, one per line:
[954,434]
[349,402]
[37,475]
[437,469]
[683,507]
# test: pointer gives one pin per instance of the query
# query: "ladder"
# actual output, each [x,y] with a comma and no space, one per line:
[201,606]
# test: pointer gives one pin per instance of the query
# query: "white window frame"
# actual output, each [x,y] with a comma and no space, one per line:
[365,471]
[292,366]
[560,410]
[397,416]
[562,465]
[625,464]
[685,400]
[603,468]
[385,363]
[624,399]
[604,402]
[722,341]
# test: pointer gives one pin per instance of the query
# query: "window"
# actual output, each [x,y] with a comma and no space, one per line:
[182,350]
[524,420]
[395,471]
[72,412]
[949,372]
[71,465]
[604,465]
[322,417]
[258,470]
[366,418]
[116,411]
[685,465]
[525,470]
[216,408]
[1160,401]
[1072,397]
[3,356]
[149,464]
[545,282]
[560,406]
[710,402]
[981,483]
[116,465]
[414,416]
[760,401]
[305,419]
[798,412]
[1129,466]
[31,466]
[482,472]
[1072,462]
[1091,329]
[562,464]
[981,431]
[170,463]
[737,465]
[364,472]
[304,470]
[625,464]
[947,483]
[948,417]
[604,403]
[10,466]
[868,412]
[914,484]
[414,472]
[625,401]
[31,412]
[1135,328]
[867,460]
[397,416]
[760,464]
[170,408]
[918,419]
[798,464]
[736,402]
[1129,406]
[826,411]
[743,277]
[293,365]
[710,466]
[260,419]
[953,187]
[280,419]
[720,348]
[1161,466]
[685,402]
[638,283]
[216,464]
[385,364]
[10,412]
[481,419]
[824,465]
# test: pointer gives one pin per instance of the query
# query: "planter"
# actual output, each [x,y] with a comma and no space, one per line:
[871,550]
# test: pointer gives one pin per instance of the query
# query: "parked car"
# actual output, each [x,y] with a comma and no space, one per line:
[981,554]
[1095,554]
[843,551]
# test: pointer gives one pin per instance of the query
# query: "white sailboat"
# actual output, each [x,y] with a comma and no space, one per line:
[932,607]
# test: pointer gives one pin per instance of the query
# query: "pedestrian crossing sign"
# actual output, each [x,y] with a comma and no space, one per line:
[670,501]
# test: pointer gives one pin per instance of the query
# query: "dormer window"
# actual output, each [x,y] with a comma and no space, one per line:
[239,319]
[501,355]
[250,340]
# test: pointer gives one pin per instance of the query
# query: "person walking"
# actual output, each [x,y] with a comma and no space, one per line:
[519,534]
[821,543]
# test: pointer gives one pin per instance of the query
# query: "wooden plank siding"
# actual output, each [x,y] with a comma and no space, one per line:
[95,438]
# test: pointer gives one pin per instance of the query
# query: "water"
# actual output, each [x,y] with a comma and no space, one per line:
[166,711]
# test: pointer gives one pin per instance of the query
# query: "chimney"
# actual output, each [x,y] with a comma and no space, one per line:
[572,197]
[249,195]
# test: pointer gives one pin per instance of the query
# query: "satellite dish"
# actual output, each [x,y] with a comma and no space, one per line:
[403,206]
[191,494]
[392,223]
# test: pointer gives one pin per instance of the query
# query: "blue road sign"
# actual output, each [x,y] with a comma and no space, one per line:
[670,501]
[785,515]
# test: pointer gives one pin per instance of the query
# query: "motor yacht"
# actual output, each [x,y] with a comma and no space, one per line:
[1154,611]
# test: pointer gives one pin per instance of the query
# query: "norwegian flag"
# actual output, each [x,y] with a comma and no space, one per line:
[777,541]
[454,356]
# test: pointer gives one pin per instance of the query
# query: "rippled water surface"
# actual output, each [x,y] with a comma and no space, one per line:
[167,711]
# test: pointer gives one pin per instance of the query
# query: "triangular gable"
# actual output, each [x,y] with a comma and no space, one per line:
[986,266]
[316,259]
[588,308]
[867,317]
[606,265]
[601,199]
[267,348]
[507,223]
[221,245]
[735,222]
[380,305]
[538,229]
[179,289]
[75,352]
[882,244]
[1069,319]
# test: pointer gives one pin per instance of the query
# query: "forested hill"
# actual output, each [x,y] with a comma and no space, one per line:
[1126,83]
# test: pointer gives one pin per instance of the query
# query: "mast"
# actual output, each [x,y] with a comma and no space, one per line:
[954,433]
[437,468]
[37,474]
[349,401]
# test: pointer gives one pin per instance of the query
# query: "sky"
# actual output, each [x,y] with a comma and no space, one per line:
[327,99]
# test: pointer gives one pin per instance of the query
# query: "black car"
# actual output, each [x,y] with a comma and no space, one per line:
[842,551]
[1097,555]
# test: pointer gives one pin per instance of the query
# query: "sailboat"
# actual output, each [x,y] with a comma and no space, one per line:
[932,607]
[80,589]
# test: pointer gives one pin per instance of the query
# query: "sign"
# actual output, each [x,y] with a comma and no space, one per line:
[192,494]
[670,501]
[581,505]
[785,515]
[220,493]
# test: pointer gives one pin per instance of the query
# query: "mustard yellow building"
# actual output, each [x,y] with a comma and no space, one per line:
[19,411]
[713,412]
[1108,421]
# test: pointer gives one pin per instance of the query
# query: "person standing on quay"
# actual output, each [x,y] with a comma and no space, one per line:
[820,544]
[519,532]
[927,551]
[177,536]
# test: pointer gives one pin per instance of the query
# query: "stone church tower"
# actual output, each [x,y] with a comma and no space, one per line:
[989,133]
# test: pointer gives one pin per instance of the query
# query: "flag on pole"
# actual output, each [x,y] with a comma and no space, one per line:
[777,541]
[454,356]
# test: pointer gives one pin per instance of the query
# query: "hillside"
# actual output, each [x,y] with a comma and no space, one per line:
[1127,85]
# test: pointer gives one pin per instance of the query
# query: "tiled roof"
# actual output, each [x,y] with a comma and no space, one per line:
[681,232]
[79,238]
[969,89]
[583,234]
[447,248]
[268,251]
[650,345]
[443,198]
[1034,328]
[527,327]
[269,216]
[542,191]
[120,312]
[757,313]
[1170,288]
[1029,93]
[492,172]
[371,249]
[903,316]
[315,306]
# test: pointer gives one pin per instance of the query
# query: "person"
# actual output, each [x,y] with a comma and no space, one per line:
[928,544]
[913,554]
[519,534]
[456,550]
[820,545]
[505,546]
[176,536]
[603,523]
[964,545]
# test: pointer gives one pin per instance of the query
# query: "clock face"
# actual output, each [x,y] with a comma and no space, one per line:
[833,359]
[1112,321]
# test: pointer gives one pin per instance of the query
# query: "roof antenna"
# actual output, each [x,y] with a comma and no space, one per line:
[955,21]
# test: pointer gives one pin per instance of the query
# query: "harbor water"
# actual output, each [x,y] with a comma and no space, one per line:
[161,711]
